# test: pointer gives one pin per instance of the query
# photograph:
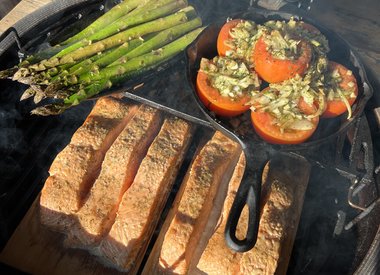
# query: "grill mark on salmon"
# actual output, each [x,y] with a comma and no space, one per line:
[211,166]
[143,202]
[76,167]
[119,168]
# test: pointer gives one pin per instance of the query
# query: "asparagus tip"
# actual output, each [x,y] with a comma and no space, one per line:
[50,109]
[8,73]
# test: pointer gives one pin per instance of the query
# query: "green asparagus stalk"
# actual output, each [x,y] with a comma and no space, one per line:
[39,56]
[52,51]
[99,24]
[8,73]
[108,58]
[79,67]
[144,6]
[161,39]
[110,75]
[123,23]
[87,92]
[56,72]
[73,99]
[115,40]
[54,80]
[152,58]
[122,54]
[106,19]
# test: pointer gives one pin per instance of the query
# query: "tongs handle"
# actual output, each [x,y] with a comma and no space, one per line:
[248,194]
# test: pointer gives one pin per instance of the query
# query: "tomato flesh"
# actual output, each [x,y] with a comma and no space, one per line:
[224,35]
[337,107]
[215,102]
[264,126]
[274,70]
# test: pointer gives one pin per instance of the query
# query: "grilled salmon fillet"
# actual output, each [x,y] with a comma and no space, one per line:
[142,203]
[119,168]
[181,237]
[76,167]
[281,204]
[217,258]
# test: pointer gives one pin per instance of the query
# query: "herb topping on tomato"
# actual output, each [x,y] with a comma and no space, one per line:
[341,90]
[226,85]
[236,38]
[284,116]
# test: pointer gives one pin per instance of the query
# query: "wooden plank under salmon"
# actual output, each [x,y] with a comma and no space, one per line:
[142,203]
[95,218]
[76,167]
[181,235]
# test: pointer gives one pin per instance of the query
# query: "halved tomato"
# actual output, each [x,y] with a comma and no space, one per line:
[214,101]
[348,82]
[224,36]
[274,70]
[265,126]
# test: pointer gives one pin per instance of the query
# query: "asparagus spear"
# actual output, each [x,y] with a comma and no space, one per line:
[39,56]
[123,23]
[155,57]
[115,13]
[69,68]
[54,77]
[56,73]
[106,19]
[122,54]
[8,73]
[73,99]
[108,58]
[111,76]
[161,39]
[115,40]
[50,52]
[143,10]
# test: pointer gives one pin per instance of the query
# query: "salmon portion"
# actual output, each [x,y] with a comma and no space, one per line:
[264,257]
[142,203]
[217,258]
[212,166]
[119,168]
[76,167]
[281,205]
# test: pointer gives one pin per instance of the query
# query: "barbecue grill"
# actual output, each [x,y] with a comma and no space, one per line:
[339,228]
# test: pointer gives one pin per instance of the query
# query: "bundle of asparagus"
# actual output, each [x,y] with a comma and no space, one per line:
[131,38]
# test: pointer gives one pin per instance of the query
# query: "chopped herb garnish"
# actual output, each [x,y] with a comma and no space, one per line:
[230,77]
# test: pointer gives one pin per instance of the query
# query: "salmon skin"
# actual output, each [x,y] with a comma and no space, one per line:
[76,167]
[212,166]
[95,218]
[143,202]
